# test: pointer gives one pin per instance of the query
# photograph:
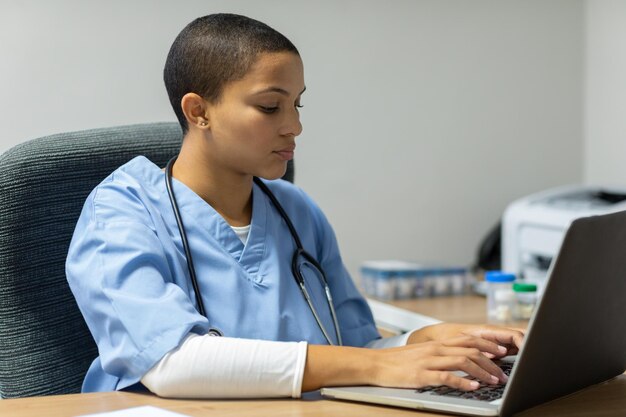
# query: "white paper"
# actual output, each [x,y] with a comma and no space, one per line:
[144,411]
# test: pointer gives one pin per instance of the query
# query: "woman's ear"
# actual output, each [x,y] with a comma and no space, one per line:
[195,111]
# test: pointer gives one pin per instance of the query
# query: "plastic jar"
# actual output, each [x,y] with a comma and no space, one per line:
[525,300]
[500,296]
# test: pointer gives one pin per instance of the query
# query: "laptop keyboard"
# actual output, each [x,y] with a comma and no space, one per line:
[485,392]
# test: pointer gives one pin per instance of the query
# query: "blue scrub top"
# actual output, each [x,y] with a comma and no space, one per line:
[127,269]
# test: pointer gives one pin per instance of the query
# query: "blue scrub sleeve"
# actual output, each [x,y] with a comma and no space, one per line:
[120,276]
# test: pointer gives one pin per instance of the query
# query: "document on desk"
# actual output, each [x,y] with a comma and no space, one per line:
[143,411]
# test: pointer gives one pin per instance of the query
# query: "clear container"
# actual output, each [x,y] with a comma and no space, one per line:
[405,285]
[525,300]
[384,286]
[500,296]
[459,281]
[389,280]
[441,284]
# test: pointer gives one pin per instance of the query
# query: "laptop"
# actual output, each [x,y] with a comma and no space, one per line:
[576,338]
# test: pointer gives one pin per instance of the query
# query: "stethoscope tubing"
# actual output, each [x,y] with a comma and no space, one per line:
[183,235]
[299,278]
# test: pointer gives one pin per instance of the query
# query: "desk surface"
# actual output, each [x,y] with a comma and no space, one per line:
[606,399]
[465,309]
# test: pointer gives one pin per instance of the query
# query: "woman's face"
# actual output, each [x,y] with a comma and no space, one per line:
[254,124]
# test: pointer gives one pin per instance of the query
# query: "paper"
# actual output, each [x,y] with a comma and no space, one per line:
[144,411]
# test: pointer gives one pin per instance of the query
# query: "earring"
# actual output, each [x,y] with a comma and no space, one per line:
[203,123]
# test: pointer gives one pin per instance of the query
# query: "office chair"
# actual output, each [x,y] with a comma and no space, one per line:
[45,346]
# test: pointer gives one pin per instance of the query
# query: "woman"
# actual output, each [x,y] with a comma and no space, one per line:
[235,85]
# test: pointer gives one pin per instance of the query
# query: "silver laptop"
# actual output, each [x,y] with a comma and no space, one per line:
[575,339]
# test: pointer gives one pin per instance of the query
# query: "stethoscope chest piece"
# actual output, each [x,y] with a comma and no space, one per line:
[215,332]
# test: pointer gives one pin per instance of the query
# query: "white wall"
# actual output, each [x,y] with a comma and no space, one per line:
[605,127]
[423,119]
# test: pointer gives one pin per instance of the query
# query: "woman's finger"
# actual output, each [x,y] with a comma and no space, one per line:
[470,361]
[513,338]
[484,345]
[436,378]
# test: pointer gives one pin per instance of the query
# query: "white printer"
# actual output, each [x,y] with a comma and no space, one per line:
[533,227]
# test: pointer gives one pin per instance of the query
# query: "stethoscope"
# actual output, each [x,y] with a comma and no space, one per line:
[295,269]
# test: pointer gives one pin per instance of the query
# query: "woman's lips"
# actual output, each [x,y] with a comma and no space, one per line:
[285,155]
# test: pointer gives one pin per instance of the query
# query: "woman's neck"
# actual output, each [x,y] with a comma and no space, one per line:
[230,195]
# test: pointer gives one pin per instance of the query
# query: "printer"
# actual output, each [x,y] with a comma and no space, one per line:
[533,227]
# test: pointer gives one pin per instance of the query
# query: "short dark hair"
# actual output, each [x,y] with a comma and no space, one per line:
[214,50]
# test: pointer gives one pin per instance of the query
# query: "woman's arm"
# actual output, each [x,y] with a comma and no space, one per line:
[222,367]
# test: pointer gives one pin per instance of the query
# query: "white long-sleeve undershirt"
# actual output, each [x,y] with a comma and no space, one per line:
[225,367]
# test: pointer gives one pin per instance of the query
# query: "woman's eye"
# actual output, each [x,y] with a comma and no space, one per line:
[268,109]
[274,109]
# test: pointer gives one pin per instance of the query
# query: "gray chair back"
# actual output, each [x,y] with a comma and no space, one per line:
[45,346]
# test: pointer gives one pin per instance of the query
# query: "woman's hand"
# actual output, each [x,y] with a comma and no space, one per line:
[434,363]
[416,365]
[509,338]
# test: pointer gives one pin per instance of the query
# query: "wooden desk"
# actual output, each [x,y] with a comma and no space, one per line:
[607,399]
[469,309]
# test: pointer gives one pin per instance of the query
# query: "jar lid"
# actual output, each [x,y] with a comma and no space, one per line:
[524,287]
[499,276]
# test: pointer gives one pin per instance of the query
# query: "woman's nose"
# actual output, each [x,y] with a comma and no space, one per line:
[292,125]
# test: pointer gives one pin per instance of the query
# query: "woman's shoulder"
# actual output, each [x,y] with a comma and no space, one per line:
[126,192]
